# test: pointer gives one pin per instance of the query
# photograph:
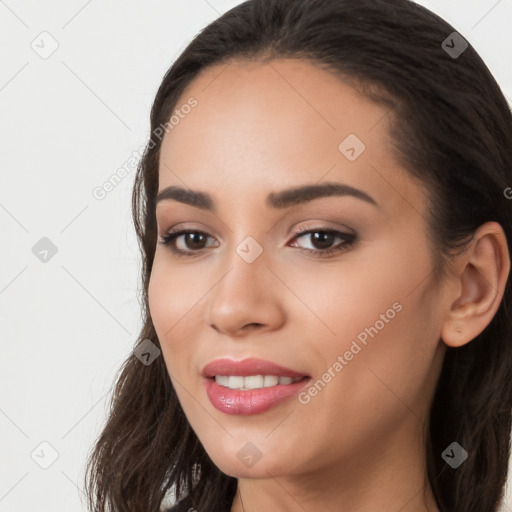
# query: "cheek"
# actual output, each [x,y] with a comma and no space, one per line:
[380,318]
[159,295]
[176,302]
[172,295]
[170,305]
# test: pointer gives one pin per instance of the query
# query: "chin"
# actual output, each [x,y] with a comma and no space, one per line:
[246,462]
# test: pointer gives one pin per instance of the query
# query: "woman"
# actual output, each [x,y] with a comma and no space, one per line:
[325,221]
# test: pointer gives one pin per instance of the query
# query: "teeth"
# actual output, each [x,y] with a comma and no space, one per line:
[270,380]
[253,381]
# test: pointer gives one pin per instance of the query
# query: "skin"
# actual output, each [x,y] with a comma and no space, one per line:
[358,444]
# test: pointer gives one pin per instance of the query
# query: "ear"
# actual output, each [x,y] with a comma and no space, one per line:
[479,281]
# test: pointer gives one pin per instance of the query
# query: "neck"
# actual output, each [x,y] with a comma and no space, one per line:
[391,476]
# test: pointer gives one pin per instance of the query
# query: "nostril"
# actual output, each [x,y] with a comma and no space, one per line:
[255,324]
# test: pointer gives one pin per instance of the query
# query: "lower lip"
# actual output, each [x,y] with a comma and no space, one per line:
[252,401]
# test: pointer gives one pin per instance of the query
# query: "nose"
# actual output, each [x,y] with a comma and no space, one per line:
[246,299]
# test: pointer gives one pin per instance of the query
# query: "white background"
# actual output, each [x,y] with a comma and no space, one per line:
[68,123]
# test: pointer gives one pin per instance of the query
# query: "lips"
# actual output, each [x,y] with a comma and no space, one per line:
[246,367]
[250,402]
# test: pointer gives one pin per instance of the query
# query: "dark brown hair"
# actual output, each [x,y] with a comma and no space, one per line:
[452,130]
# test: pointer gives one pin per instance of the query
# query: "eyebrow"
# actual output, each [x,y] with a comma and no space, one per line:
[282,199]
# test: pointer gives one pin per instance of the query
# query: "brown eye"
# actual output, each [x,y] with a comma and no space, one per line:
[192,241]
[322,240]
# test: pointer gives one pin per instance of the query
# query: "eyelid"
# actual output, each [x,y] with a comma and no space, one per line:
[322,227]
[295,232]
[188,227]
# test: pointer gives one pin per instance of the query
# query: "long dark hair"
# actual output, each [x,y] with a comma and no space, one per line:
[452,130]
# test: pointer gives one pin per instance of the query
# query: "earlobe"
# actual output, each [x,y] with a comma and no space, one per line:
[480,283]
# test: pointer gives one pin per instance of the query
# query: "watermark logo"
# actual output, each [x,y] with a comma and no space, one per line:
[44,455]
[45,45]
[304,397]
[454,455]
[101,191]
[146,352]
[249,454]
[179,114]
[44,250]
[249,249]
[454,45]
[351,147]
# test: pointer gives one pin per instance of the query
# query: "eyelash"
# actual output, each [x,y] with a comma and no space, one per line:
[168,240]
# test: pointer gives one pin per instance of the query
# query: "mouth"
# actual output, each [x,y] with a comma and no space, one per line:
[250,386]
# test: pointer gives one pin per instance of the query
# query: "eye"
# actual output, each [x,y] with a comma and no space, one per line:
[193,240]
[324,238]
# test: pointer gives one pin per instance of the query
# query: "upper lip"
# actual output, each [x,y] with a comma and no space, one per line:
[251,366]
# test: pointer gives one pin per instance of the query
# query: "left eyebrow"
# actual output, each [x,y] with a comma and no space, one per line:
[281,199]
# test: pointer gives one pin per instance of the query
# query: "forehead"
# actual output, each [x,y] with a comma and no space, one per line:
[276,124]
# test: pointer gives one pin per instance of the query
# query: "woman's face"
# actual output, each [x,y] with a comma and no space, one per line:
[362,321]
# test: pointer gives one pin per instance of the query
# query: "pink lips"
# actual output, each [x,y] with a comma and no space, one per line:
[254,401]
